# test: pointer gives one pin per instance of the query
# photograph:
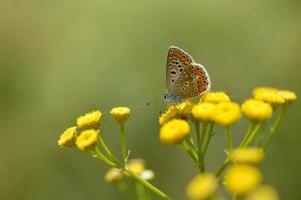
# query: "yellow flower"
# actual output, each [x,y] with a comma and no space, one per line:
[226,113]
[241,178]
[113,175]
[176,111]
[203,111]
[256,110]
[185,107]
[68,137]
[136,165]
[174,131]
[269,95]
[201,187]
[171,113]
[87,139]
[89,120]
[288,96]
[120,114]
[264,192]
[247,155]
[215,97]
[259,90]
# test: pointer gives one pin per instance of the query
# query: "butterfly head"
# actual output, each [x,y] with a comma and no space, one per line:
[170,98]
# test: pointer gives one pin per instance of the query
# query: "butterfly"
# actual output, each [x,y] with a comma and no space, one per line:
[185,78]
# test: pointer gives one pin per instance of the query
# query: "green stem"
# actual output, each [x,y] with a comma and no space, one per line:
[147,184]
[189,141]
[140,191]
[248,133]
[199,144]
[187,148]
[107,150]
[123,142]
[252,136]
[275,126]
[261,134]
[222,167]
[209,136]
[103,158]
[229,140]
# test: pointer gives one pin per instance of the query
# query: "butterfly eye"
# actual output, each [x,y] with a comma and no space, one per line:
[192,94]
[181,69]
[188,59]
[181,78]
[173,62]
[177,86]
[177,62]
[172,80]
[184,56]
[179,65]
[196,89]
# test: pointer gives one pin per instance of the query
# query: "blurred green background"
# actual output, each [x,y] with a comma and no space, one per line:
[60,59]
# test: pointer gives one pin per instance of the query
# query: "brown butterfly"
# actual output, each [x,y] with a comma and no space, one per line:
[185,78]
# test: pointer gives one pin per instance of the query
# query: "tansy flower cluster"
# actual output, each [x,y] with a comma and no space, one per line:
[86,136]
[239,173]
[192,127]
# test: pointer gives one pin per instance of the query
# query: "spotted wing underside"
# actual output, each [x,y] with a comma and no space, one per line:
[193,81]
[177,61]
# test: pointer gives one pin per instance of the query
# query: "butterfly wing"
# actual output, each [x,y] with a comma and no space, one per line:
[177,61]
[193,81]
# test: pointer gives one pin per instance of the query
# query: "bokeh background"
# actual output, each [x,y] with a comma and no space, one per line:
[60,59]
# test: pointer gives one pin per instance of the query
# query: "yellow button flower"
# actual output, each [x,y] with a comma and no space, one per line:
[264,192]
[89,120]
[288,96]
[256,110]
[203,111]
[136,165]
[176,111]
[185,107]
[269,95]
[259,90]
[247,155]
[120,114]
[87,139]
[215,97]
[241,178]
[226,113]
[174,131]
[68,137]
[171,113]
[113,175]
[202,187]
